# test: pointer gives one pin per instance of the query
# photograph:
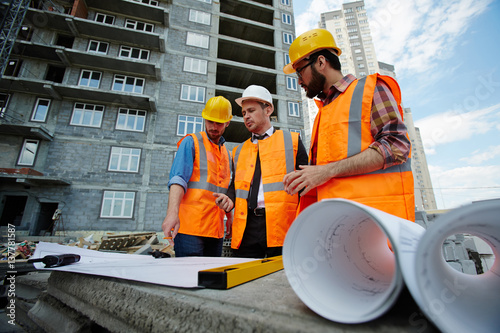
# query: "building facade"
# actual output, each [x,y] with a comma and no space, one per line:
[96,95]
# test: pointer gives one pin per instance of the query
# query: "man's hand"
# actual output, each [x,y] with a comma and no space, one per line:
[170,227]
[307,178]
[223,202]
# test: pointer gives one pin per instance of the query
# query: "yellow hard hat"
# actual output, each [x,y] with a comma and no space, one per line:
[308,43]
[218,109]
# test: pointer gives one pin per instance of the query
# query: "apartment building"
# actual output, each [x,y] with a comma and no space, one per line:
[96,95]
[351,30]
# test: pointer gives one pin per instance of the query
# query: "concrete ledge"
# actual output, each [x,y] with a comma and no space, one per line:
[53,316]
[267,304]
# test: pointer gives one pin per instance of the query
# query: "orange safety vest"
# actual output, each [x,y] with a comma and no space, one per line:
[277,158]
[198,213]
[342,129]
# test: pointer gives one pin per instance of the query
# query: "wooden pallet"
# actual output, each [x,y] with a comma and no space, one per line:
[119,242]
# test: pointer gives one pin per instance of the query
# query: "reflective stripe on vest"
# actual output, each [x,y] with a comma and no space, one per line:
[354,137]
[202,184]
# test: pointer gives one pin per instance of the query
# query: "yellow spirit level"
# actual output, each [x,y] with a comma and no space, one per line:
[226,277]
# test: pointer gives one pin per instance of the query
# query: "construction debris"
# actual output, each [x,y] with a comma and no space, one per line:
[135,243]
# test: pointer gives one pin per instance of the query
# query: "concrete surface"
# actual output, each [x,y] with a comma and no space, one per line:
[79,302]
[28,288]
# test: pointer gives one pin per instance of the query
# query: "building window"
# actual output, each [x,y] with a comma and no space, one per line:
[206,1]
[133,53]
[90,79]
[148,2]
[65,40]
[199,17]
[117,204]
[28,152]
[286,18]
[41,110]
[124,159]
[4,102]
[25,33]
[13,67]
[285,2]
[98,47]
[293,109]
[189,124]
[291,83]
[296,131]
[88,115]
[195,65]
[287,38]
[138,25]
[55,73]
[192,93]
[128,84]
[103,18]
[131,120]
[287,59]
[198,40]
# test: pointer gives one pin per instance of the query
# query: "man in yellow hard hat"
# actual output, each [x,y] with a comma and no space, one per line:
[201,167]
[263,210]
[359,145]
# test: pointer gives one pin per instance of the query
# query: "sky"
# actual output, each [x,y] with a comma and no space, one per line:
[447,63]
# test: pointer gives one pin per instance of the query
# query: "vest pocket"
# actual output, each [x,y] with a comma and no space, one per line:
[331,146]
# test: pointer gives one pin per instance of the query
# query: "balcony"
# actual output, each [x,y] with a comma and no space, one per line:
[71,57]
[152,14]
[60,91]
[79,27]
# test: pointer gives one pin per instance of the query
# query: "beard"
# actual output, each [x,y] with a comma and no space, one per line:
[316,85]
[213,136]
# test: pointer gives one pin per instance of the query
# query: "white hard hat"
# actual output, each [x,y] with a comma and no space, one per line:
[256,93]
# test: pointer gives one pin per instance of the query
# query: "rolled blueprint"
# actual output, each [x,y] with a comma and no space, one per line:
[338,260]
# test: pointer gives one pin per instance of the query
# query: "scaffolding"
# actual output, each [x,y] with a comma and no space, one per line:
[11,23]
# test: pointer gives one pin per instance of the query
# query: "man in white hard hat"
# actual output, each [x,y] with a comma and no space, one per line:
[359,145]
[263,210]
[201,167]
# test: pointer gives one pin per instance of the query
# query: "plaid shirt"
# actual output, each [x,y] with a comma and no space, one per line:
[387,127]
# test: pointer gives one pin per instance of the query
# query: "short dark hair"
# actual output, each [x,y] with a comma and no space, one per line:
[332,58]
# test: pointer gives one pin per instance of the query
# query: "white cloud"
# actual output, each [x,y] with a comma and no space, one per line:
[460,186]
[456,125]
[412,35]
[480,156]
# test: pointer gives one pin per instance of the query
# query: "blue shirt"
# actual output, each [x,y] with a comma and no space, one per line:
[182,167]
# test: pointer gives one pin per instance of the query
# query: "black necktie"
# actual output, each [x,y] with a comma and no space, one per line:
[254,190]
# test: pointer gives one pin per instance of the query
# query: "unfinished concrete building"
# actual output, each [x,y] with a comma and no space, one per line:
[96,94]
